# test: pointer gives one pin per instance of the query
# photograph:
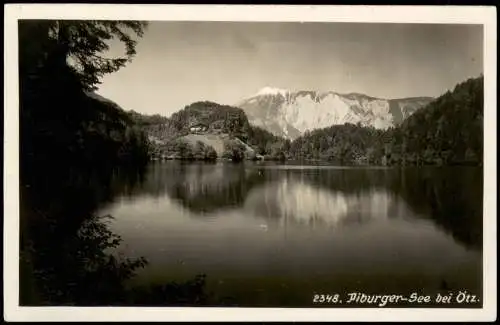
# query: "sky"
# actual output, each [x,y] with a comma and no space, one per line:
[178,63]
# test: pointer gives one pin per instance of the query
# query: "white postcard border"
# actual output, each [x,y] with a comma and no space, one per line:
[485,16]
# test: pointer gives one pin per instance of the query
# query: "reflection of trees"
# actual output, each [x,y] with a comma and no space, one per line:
[77,269]
[202,187]
[63,258]
[219,187]
[66,251]
[451,197]
[351,180]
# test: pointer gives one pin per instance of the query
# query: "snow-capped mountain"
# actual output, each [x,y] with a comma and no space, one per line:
[291,113]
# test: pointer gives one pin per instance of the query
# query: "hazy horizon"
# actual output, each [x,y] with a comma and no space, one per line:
[178,63]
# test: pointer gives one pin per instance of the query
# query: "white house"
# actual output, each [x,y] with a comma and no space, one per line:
[198,128]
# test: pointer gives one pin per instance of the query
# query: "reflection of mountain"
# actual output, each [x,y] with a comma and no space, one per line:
[296,199]
[451,197]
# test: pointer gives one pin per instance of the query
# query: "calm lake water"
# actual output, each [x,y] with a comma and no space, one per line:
[276,235]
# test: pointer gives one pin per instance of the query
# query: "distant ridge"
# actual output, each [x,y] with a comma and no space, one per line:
[290,113]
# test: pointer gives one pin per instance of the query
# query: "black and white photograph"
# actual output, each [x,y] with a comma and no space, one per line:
[247,165]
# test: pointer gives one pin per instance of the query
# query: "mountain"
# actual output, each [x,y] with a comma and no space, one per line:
[447,131]
[290,113]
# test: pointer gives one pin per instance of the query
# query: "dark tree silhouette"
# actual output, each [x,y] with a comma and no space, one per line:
[62,121]
[72,142]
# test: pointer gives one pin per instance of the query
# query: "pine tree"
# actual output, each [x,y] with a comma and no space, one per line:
[60,65]
[77,44]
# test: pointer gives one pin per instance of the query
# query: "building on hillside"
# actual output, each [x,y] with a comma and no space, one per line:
[196,128]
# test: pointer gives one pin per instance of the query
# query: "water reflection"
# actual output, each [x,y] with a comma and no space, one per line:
[296,201]
[323,197]
[203,188]
[273,235]
[63,243]
[450,197]
[67,247]
[264,235]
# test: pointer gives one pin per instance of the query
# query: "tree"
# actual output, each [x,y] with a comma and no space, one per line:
[184,150]
[202,151]
[234,151]
[277,151]
[79,42]
[210,153]
[60,64]
[199,151]
[65,131]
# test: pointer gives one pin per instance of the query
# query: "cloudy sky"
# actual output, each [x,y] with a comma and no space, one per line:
[178,63]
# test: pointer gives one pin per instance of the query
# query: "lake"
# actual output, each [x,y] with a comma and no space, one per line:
[276,235]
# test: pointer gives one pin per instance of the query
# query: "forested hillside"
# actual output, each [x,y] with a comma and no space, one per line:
[62,122]
[62,119]
[343,144]
[147,120]
[447,131]
[211,117]
[220,128]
